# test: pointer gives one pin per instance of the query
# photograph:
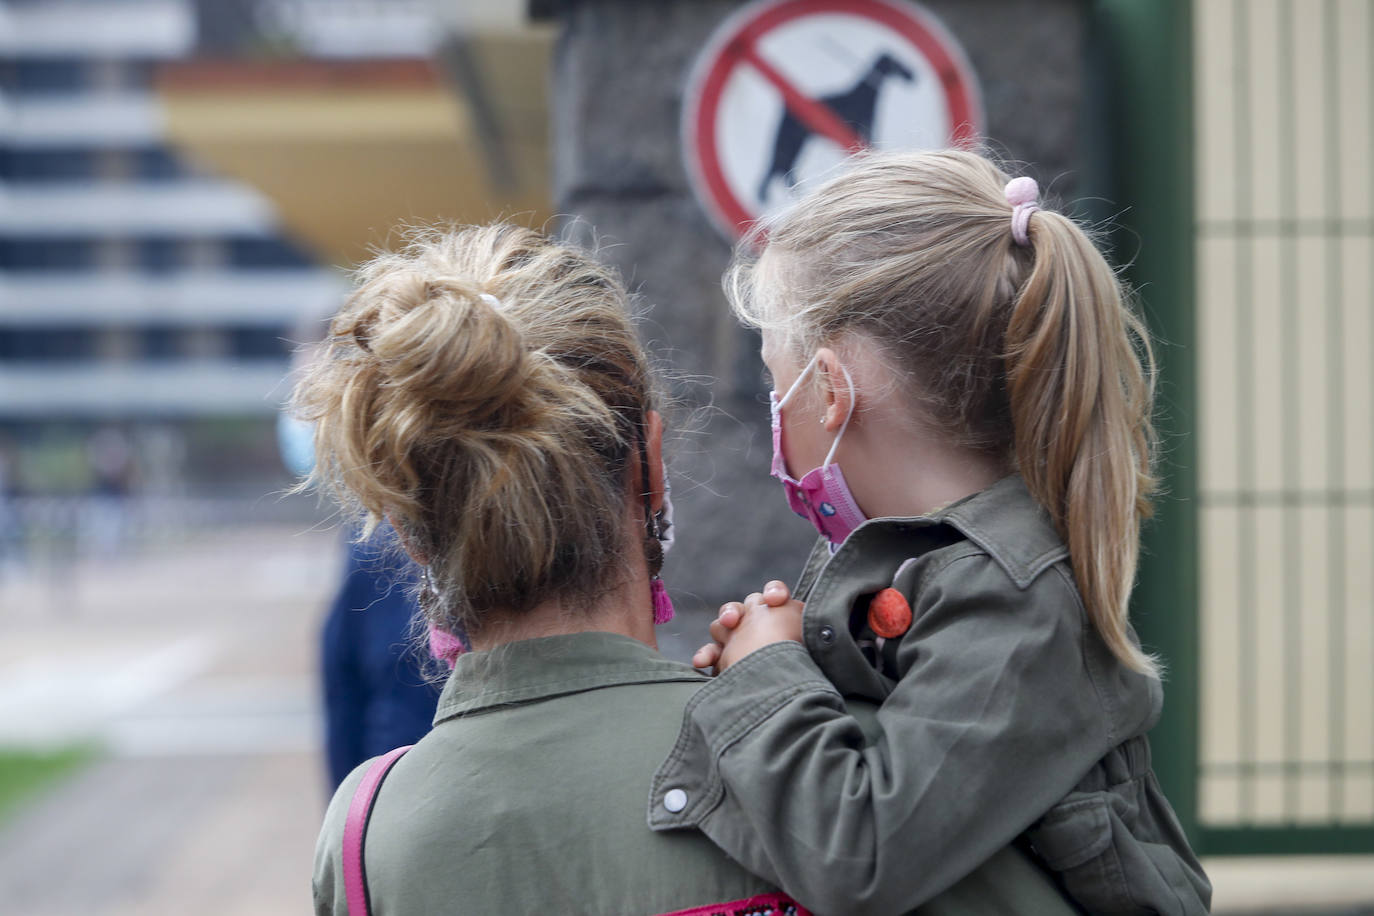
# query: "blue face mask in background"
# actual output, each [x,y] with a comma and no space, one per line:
[296,442]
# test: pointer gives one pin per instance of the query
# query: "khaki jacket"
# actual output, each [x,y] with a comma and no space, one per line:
[869,779]
[528,797]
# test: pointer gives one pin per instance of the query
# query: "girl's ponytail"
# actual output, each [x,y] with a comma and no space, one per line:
[1080,402]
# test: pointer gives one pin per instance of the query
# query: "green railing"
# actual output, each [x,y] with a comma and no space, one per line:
[1148,60]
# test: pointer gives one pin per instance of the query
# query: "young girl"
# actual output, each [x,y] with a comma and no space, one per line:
[963,676]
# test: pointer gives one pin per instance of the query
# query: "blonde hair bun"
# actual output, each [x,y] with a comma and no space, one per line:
[437,340]
[484,389]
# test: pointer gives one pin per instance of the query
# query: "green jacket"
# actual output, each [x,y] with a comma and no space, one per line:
[528,797]
[868,778]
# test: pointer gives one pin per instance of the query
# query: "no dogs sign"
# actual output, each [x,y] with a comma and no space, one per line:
[786,89]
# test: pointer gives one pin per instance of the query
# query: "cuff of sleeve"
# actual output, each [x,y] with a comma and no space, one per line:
[751,690]
[687,786]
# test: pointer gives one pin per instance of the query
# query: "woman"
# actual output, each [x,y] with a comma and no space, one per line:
[485,392]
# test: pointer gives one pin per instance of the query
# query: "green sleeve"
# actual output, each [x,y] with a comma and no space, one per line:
[994,720]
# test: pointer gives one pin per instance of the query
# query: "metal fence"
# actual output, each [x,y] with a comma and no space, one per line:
[1284,126]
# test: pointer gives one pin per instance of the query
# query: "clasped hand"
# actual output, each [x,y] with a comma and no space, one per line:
[761,619]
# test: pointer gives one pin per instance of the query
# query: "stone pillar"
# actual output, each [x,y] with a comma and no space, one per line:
[618,176]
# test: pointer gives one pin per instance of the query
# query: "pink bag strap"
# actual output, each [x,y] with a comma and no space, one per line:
[355,830]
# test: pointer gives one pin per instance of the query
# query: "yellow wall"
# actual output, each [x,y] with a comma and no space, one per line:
[347,163]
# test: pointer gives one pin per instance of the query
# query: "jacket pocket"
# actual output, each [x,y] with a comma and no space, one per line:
[1105,867]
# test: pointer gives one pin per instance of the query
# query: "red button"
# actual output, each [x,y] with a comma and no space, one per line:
[889,615]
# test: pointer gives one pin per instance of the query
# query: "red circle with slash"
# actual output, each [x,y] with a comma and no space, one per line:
[791,56]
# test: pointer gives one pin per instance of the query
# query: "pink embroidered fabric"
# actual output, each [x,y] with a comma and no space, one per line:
[762,905]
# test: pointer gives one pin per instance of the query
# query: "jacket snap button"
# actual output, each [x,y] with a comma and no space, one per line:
[674,800]
[827,635]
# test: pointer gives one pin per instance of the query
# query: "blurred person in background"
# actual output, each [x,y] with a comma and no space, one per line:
[104,519]
[376,693]
[11,534]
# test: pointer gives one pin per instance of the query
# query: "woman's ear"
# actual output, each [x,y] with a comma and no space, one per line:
[836,390]
[408,544]
[653,433]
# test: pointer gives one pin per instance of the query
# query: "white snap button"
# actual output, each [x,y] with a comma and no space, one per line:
[674,800]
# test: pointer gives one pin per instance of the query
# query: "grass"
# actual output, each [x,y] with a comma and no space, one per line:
[24,774]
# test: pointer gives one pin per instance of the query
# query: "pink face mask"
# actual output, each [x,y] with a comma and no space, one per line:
[821,496]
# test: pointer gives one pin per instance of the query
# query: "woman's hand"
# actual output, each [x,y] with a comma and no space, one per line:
[761,619]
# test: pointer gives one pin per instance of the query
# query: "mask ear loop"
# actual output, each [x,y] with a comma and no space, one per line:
[830,455]
[782,402]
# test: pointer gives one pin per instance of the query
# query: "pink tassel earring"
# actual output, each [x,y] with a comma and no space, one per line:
[663,605]
[445,646]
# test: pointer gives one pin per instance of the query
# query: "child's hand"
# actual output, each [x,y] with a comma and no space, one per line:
[775,593]
[762,619]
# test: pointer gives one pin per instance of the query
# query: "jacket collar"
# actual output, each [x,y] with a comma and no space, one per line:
[1011,526]
[1003,520]
[551,666]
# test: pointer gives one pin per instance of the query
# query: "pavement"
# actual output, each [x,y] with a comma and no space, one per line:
[192,662]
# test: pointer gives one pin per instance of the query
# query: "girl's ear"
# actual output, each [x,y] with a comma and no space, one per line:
[654,446]
[837,392]
[408,544]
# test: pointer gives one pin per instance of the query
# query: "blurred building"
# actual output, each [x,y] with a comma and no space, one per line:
[138,290]
[180,184]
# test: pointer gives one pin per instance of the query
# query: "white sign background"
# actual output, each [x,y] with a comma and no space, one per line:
[819,54]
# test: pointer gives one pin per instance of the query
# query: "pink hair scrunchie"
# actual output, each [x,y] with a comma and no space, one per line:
[1024,196]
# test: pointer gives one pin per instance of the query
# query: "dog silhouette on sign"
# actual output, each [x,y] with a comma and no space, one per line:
[855,107]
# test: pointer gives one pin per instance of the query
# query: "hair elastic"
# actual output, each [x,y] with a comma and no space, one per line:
[1024,196]
[490,300]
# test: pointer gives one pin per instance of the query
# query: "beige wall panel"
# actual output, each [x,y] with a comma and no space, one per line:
[1310,678]
[1314,798]
[1358,798]
[1355,37]
[1358,727]
[1271,800]
[1266,132]
[1270,636]
[1218,370]
[1308,315]
[1311,373]
[1214,113]
[1219,800]
[1266,380]
[1357,359]
[1221,728]
[1305,32]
